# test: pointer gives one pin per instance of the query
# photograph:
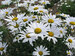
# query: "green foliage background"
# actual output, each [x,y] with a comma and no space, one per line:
[25,49]
[68,10]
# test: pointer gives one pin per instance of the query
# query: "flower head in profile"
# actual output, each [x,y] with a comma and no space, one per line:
[35,8]
[44,2]
[42,11]
[64,15]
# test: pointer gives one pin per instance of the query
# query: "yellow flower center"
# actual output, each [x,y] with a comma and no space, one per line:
[33,17]
[1,49]
[70,40]
[17,37]
[50,21]
[6,12]
[36,8]
[72,23]
[72,30]
[38,21]
[24,20]
[41,11]
[39,16]
[51,34]
[65,27]
[37,30]
[17,25]
[27,35]
[15,18]
[40,53]
[68,53]
[44,3]
[57,12]
[61,31]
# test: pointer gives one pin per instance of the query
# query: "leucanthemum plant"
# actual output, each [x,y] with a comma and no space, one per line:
[35,31]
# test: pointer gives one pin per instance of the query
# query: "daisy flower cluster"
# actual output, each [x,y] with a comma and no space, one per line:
[45,32]
[3,45]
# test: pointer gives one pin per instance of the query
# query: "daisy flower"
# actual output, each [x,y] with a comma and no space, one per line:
[70,42]
[14,23]
[5,12]
[71,21]
[41,11]
[44,2]
[3,47]
[14,27]
[69,53]
[33,17]
[17,38]
[17,18]
[62,31]
[51,19]
[8,10]
[37,29]
[26,19]
[41,51]
[35,8]
[22,5]
[26,37]
[64,15]
[53,33]
[6,2]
